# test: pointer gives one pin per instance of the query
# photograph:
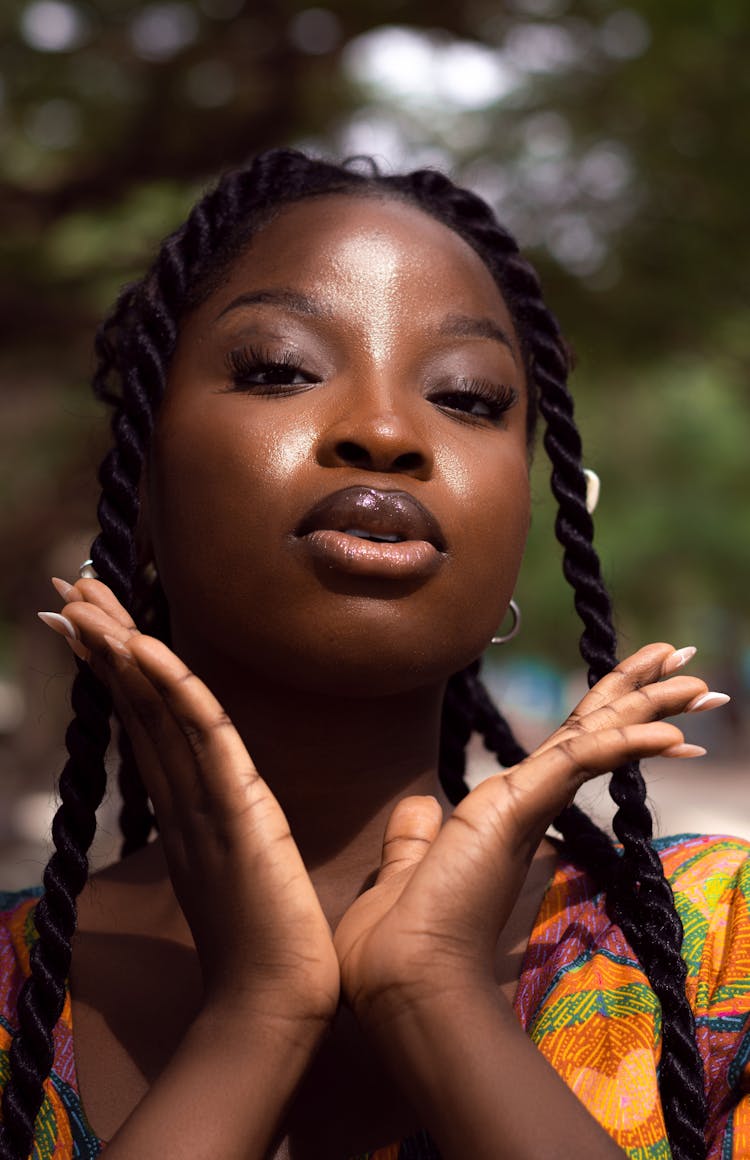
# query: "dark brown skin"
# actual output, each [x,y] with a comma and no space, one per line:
[333,681]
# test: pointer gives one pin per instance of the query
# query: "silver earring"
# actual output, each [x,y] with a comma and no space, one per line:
[515,627]
[86,571]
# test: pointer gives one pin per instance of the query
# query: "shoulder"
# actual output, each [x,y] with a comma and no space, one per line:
[710,878]
[686,857]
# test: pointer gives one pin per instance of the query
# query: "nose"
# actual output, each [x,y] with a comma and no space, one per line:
[376,434]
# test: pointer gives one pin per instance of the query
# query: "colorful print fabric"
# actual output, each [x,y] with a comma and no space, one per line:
[582,997]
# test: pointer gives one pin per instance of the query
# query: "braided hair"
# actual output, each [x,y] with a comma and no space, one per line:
[134,347]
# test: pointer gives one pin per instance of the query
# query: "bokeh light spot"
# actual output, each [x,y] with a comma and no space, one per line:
[625,34]
[315,31]
[52,26]
[160,31]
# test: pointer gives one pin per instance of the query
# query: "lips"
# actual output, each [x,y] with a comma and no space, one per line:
[363,530]
[380,516]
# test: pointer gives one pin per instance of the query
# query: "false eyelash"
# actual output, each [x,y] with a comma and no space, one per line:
[498,397]
[245,361]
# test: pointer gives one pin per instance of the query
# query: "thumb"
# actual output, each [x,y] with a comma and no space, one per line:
[412,828]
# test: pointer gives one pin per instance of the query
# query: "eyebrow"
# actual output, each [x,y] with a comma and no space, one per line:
[289,299]
[452,326]
[465,326]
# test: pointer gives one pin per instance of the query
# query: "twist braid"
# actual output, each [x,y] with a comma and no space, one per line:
[40,1003]
[457,727]
[641,899]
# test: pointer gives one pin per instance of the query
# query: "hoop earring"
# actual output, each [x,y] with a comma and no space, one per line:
[515,627]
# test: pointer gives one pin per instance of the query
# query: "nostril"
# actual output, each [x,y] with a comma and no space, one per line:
[409,461]
[352,452]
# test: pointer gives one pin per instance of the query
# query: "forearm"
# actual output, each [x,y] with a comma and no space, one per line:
[223,1094]
[481,1086]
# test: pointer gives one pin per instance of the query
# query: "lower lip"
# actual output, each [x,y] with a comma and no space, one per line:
[407,560]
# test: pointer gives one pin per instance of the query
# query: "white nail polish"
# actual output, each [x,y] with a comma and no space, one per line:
[708,700]
[684,750]
[62,587]
[59,623]
[678,659]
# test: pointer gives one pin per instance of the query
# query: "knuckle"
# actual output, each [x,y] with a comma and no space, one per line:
[575,723]
[148,712]
[568,748]
[199,734]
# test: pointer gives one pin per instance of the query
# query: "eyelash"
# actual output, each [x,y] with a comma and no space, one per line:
[245,364]
[497,397]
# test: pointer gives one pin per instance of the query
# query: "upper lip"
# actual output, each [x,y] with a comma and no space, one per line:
[368,509]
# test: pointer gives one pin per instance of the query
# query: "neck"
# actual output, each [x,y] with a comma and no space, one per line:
[336,765]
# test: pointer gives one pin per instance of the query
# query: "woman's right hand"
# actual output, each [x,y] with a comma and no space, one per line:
[264,944]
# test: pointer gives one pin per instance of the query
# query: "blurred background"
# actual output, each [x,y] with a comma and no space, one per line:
[610,136]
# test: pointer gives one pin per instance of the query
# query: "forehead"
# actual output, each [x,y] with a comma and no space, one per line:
[366,247]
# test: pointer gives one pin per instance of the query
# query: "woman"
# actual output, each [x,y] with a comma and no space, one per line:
[315,508]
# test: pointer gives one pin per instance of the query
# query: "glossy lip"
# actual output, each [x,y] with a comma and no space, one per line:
[327,531]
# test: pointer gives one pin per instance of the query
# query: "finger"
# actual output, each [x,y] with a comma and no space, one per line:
[67,591]
[92,623]
[98,594]
[414,824]
[545,783]
[137,706]
[225,780]
[649,703]
[494,831]
[649,664]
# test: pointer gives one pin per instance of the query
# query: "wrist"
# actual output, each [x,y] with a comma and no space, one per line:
[243,1025]
[430,1000]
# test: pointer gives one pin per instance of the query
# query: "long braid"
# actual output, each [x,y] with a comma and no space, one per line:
[641,902]
[83,780]
[41,1000]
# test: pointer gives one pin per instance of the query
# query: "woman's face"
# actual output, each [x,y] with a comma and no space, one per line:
[338,491]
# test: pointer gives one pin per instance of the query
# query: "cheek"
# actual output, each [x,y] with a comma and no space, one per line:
[219,488]
[494,495]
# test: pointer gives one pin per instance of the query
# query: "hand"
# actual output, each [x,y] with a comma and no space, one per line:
[261,936]
[430,924]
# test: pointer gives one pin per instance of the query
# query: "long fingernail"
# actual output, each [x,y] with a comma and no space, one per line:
[677,659]
[59,623]
[67,591]
[684,750]
[118,647]
[708,700]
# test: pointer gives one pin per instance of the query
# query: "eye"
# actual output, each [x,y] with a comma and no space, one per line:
[477,399]
[253,368]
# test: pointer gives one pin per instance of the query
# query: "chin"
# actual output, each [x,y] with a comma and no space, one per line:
[382,666]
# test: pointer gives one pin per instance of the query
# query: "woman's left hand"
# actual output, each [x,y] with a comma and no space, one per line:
[430,924]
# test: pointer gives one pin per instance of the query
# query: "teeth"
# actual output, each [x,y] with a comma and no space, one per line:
[378,539]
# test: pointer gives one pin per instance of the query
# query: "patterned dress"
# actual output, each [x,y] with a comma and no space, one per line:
[582,997]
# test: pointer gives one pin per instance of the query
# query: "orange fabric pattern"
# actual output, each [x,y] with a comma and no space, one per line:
[582,997]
